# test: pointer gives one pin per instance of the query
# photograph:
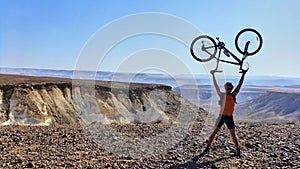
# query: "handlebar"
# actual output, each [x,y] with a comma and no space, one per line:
[244,71]
[221,45]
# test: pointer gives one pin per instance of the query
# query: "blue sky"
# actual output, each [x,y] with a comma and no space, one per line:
[50,34]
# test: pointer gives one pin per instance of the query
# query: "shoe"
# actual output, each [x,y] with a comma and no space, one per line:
[238,153]
[206,150]
[194,160]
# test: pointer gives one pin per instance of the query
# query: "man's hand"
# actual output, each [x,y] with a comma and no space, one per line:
[214,71]
[244,71]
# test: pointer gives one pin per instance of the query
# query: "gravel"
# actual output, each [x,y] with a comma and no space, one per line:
[147,146]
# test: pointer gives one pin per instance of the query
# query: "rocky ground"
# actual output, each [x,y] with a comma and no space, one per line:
[263,145]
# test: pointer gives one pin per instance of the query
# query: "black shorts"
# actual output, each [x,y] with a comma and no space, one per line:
[225,119]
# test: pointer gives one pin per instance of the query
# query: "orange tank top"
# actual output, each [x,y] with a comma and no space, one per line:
[228,104]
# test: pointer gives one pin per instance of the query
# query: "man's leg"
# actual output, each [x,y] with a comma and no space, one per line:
[212,136]
[234,138]
[210,140]
[231,126]
[220,121]
[236,142]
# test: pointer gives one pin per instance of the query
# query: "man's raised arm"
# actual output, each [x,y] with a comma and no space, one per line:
[238,87]
[216,83]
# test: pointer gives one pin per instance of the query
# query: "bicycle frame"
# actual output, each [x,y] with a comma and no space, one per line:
[211,46]
[239,62]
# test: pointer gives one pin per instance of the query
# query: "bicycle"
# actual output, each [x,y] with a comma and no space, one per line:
[248,38]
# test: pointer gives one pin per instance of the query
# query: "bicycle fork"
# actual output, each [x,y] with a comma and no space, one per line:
[245,54]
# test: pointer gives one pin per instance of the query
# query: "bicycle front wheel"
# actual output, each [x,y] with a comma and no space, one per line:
[248,35]
[203,48]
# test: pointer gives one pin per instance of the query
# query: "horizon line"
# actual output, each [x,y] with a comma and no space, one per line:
[154,73]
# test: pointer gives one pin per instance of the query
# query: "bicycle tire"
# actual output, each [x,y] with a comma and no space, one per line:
[258,39]
[195,52]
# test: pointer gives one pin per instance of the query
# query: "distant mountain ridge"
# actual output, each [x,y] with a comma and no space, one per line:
[157,78]
[272,106]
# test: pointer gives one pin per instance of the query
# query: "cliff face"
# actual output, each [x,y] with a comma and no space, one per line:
[44,101]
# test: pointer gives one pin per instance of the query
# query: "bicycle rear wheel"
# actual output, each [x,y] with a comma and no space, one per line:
[253,37]
[203,48]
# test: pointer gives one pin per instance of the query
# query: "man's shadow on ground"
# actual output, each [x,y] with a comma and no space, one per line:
[193,162]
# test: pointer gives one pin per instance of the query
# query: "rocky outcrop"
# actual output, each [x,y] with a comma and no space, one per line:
[44,101]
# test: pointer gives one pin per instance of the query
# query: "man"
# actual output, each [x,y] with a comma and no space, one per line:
[227,103]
